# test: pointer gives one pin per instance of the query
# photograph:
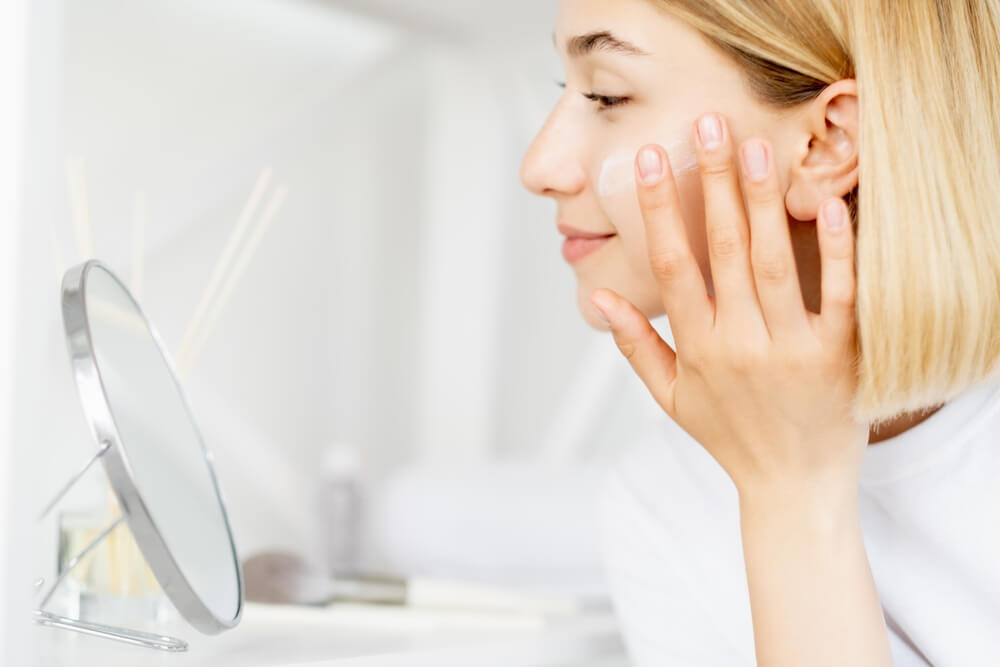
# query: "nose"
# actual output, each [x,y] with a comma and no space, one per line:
[552,164]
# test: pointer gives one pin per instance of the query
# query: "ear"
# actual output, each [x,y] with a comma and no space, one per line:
[825,152]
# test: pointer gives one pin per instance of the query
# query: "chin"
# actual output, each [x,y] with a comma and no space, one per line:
[645,298]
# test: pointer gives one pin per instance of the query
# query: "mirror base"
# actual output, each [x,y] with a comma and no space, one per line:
[125,635]
[134,637]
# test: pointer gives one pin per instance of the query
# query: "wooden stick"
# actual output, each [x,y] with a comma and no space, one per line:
[245,256]
[222,266]
[57,254]
[76,178]
[111,545]
[138,243]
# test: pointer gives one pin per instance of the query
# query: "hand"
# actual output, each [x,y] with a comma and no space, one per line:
[766,386]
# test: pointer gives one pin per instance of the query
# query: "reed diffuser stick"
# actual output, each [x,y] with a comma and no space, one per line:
[234,277]
[111,545]
[222,266]
[138,243]
[76,178]
[57,254]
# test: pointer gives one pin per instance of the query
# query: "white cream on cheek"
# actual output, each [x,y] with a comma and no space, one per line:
[617,175]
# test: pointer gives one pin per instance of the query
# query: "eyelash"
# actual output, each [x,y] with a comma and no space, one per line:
[605,102]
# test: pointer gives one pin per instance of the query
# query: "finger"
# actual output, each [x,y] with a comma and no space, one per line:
[650,357]
[682,285]
[725,224]
[837,274]
[771,258]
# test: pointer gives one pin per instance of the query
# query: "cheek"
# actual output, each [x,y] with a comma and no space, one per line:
[616,173]
[616,190]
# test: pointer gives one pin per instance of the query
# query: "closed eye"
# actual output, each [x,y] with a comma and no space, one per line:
[604,101]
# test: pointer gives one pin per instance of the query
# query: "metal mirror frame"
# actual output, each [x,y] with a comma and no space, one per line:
[115,460]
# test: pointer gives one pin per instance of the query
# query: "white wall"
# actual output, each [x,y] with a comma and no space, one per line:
[409,297]
[30,72]
[13,90]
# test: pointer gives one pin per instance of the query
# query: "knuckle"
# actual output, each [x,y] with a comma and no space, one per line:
[725,242]
[694,356]
[740,364]
[797,361]
[771,268]
[699,357]
[841,294]
[668,264]
[658,207]
[745,359]
[631,347]
[830,367]
[716,167]
[659,211]
[762,195]
[628,349]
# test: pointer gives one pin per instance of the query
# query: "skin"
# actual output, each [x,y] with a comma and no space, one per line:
[681,77]
[760,292]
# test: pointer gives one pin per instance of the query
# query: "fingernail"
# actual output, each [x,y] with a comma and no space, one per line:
[755,160]
[833,215]
[650,166]
[709,132]
[600,311]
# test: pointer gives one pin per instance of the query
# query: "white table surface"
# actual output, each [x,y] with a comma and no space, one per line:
[360,636]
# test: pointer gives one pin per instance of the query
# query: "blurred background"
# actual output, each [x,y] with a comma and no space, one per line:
[407,303]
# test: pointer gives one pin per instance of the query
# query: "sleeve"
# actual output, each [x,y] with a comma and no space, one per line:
[674,562]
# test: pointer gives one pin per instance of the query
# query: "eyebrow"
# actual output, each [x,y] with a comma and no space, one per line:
[601,40]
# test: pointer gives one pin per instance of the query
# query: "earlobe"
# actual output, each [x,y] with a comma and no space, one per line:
[825,163]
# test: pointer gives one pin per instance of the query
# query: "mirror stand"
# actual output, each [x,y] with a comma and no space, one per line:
[42,617]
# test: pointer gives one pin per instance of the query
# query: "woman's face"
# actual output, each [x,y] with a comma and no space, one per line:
[648,77]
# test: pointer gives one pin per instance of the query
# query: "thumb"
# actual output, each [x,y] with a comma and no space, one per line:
[650,357]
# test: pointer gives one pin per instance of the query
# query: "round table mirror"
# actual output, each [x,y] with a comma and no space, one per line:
[157,462]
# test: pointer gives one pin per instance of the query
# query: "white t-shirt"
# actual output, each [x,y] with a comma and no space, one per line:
[930,514]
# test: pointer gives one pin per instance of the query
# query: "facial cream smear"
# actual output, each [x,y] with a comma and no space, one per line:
[617,174]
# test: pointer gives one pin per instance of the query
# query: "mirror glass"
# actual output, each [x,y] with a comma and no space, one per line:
[158,464]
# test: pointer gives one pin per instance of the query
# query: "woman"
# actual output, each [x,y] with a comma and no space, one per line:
[808,189]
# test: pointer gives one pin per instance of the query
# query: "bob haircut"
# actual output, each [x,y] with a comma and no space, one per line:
[925,211]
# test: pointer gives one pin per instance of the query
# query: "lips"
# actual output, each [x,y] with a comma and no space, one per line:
[574,249]
[573,233]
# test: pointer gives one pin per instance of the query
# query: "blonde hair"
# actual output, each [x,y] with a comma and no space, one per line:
[925,209]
